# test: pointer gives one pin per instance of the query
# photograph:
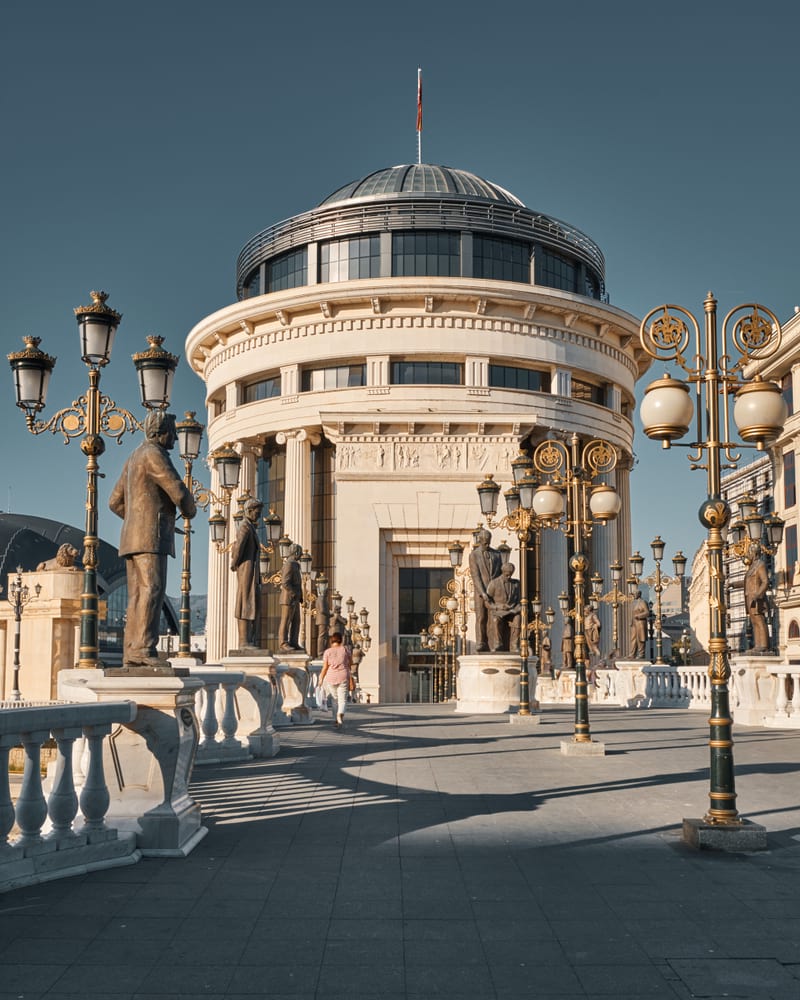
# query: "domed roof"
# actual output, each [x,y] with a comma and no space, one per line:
[421,179]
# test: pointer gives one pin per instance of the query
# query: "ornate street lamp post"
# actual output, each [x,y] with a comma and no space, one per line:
[90,417]
[457,588]
[573,500]
[18,596]
[759,413]
[659,583]
[521,518]
[615,597]
[227,462]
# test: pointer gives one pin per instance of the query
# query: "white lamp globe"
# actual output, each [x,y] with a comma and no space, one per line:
[760,411]
[667,409]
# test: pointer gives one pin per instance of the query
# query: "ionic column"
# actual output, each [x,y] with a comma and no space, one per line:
[297,499]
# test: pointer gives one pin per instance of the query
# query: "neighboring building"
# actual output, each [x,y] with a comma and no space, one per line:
[387,350]
[756,480]
[784,368]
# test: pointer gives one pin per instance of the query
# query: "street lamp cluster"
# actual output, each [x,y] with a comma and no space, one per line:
[659,582]
[557,487]
[759,412]
[91,417]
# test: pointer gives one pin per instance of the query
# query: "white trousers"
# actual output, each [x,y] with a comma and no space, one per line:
[338,696]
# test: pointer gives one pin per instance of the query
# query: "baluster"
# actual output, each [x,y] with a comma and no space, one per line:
[62,804]
[209,725]
[95,797]
[31,804]
[795,693]
[781,700]
[6,805]
[230,722]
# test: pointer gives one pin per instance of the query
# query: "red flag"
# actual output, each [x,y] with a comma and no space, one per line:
[419,100]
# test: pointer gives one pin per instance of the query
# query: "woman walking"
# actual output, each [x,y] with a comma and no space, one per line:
[336,668]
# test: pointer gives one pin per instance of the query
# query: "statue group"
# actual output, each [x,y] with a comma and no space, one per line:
[498,607]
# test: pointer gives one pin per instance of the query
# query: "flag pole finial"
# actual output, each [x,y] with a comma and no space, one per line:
[419,114]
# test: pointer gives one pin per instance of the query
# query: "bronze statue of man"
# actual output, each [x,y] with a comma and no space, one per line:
[485,564]
[322,621]
[290,600]
[756,583]
[640,613]
[145,497]
[245,564]
[506,611]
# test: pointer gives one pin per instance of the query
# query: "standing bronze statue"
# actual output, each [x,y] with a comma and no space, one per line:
[291,599]
[568,645]
[485,564]
[640,613]
[245,564]
[756,583]
[145,497]
[322,621]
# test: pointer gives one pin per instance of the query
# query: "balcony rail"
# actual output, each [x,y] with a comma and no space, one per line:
[52,840]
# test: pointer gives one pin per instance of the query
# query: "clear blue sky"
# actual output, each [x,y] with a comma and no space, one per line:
[144,143]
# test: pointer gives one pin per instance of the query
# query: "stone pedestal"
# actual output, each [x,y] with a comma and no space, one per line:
[631,683]
[571,748]
[151,757]
[736,837]
[257,699]
[293,681]
[488,683]
[753,688]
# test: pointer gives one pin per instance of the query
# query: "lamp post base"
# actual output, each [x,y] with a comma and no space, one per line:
[735,837]
[572,748]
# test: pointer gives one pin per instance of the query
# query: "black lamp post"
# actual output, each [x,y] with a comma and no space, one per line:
[18,596]
[759,413]
[91,417]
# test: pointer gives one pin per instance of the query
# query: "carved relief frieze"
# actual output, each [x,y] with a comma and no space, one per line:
[431,455]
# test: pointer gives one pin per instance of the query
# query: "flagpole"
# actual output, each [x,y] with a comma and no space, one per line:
[419,114]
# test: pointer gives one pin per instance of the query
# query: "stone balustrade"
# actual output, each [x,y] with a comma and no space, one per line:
[786,711]
[217,714]
[52,839]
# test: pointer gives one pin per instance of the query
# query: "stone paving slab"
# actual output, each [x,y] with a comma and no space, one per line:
[418,854]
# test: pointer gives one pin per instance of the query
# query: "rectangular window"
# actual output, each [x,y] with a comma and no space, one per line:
[526,379]
[426,373]
[288,271]
[267,388]
[504,260]
[587,392]
[788,392]
[789,483]
[425,253]
[323,509]
[420,590]
[337,377]
[343,260]
[790,539]
[555,271]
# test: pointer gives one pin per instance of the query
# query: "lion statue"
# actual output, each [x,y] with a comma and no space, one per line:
[63,559]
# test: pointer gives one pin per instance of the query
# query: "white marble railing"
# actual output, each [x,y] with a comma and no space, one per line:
[42,835]
[786,712]
[235,710]
[217,715]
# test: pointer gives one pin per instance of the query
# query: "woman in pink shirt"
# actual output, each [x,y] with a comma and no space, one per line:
[336,668]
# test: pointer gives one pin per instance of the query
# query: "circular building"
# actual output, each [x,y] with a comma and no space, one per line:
[387,350]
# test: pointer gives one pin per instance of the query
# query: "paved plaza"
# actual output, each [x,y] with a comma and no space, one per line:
[421,854]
